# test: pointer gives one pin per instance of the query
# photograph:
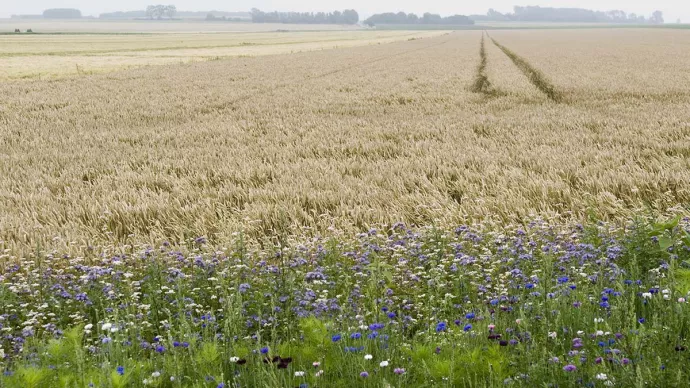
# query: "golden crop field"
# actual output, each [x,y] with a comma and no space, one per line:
[567,122]
[49,56]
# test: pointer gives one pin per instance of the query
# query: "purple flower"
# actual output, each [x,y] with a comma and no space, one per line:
[264,350]
[356,335]
[398,371]
[441,326]
[120,370]
[570,368]
[160,348]
[467,327]
[336,338]
[364,374]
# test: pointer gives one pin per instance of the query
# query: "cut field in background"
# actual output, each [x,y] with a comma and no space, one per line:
[27,56]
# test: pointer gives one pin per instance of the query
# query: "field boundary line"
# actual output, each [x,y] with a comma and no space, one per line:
[534,75]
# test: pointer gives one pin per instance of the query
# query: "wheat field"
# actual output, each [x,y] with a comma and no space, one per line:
[349,138]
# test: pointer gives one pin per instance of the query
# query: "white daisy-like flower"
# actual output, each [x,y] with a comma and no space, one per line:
[156,374]
[106,326]
[299,373]
[368,357]
[383,364]
[234,359]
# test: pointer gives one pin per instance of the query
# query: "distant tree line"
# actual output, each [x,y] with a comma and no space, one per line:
[348,16]
[427,18]
[62,13]
[217,15]
[568,15]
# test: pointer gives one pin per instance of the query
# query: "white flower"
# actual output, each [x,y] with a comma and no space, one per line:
[647,295]
[319,373]
[145,382]
[172,378]
[114,329]
[156,374]
[553,334]
[2,353]
[106,326]
[316,364]
[598,320]
[681,300]
[87,328]
[599,333]
[299,373]
[383,364]
[234,359]
[368,357]
[602,376]
[608,383]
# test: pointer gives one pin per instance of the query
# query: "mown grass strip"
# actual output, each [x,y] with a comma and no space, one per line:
[535,76]
[481,82]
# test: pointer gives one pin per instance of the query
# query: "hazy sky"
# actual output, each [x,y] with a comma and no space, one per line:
[673,9]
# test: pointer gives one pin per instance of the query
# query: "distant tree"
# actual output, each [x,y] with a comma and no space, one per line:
[158,11]
[657,17]
[62,13]
[170,11]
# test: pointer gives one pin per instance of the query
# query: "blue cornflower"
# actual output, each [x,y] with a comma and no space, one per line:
[244,287]
[264,350]
[160,348]
[604,305]
[529,286]
[356,335]
[641,320]
[336,338]
[120,370]
[441,326]
[221,385]
[467,327]
[469,315]
[563,279]
[391,315]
